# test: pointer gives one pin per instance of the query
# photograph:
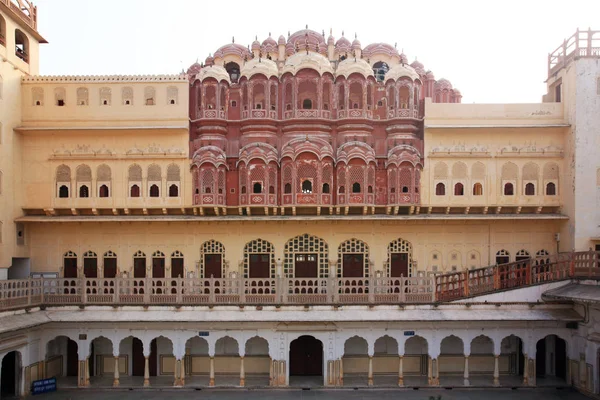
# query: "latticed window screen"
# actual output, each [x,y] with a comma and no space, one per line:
[509,171]
[208,181]
[154,173]
[405,180]
[257,175]
[399,246]
[82,96]
[273,177]
[103,174]
[459,170]
[328,174]
[353,246]
[522,253]
[158,254]
[89,254]
[135,173]
[307,244]
[342,180]
[110,254]
[287,175]
[531,172]
[243,179]
[392,183]
[371,176]
[478,171]
[173,173]
[417,179]
[211,247]
[70,254]
[550,171]
[63,174]
[127,95]
[306,171]
[259,246]
[84,173]
[440,171]
[356,174]
[221,188]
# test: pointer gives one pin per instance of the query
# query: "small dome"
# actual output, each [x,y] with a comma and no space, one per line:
[380,48]
[342,42]
[259,66]
[302,60]
[270,42]
[417,65]
[430,75]
[305,37]
[216,71]
[403,58]
[281,40]
[209,61]
[233,49]
[443,84]
[356,44]
[255,44]
[398,71]
[194,69]
[457,92]
[351,65]
[330,39]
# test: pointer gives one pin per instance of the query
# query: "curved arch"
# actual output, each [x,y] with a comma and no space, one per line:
[356,345]
[353,253]
[63,173]
[11,364]
[227,345]
[440,170]
[355,150]
[306,244]
[416,345]
[318,146]
[134,173]
[482,344]
[451,345]
[510,171]
[259,259]
[386,344]
[83,173]
[256,345]
[400,258]
[459,170]
[212,253]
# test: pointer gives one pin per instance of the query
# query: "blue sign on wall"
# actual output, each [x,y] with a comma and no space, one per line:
[43,386]
[409,333]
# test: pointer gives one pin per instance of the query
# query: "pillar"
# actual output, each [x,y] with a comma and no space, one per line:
[370,377]
[525,370]
[182,372]
[466,373]
[43,368]
[342,371]
[116,373]
[429,372]
[211,381]
[270,371]
[176,373]
[435,377]
[242,372]
[496,370]
[87,372]
[81,373]
[146,371]
[400,371]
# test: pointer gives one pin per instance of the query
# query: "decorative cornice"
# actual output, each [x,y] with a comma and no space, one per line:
[102,78]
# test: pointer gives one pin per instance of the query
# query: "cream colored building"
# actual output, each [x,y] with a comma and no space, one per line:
[150,271]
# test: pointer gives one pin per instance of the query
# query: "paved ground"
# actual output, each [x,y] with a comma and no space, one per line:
[333,394]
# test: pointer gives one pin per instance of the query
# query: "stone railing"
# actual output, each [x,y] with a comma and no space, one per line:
[581,44]
[25,11]
[26,293]
[259,114]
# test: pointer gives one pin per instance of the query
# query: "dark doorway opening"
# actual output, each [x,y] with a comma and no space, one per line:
[153,358]
[177,268]
[399,265]
[259,266]
[353,266]
[555,349]
[110,267]
[306,357]
[306,266]
[137,357]
[72,358]
[212,266]
[9,371]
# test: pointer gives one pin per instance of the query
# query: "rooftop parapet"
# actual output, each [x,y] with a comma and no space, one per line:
[581,44]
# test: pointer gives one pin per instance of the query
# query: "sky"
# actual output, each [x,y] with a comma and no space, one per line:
[493,51]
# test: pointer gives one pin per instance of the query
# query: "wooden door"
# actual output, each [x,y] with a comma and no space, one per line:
[110,267]
[158,267]
[260,266]
[177,268]
[137,357]
[212,266]
[399,265]
[306,357]
[306,266]
[70,268]
[153,358]
[90,267]
[353,266]
[72,359]
[139,267]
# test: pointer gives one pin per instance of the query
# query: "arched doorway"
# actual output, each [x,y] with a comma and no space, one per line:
[306,357]
[551,360]
[10,375]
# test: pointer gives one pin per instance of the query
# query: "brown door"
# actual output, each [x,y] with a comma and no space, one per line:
[139,267]
[137,358]
[90,267]
[306,357]
[212,266]
[306,266]
[110,267]
[399,266]
[72,359]
[153,357]
[353,266]
[176,267]
[158,267]
[70,270]
[502,260]
[259,266]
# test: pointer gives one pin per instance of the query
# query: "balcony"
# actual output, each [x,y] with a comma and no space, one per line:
[403,113]
[259,114]
[212,114]
[290,114]
[307,199]
[355,113]
[356,199]
[258,199]
[209,199]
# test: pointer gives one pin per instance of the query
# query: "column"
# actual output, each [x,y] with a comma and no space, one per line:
[400,370]
[370,377]
[435,375]
[116,373]
[242,372]
[496,370]
[176,369]
[525,370]
[270,371]
[211,381]
[532,372]
[81,373]
[87,372]
[466,373]
[429,371]
[342,371]
[182,372]
[146,371]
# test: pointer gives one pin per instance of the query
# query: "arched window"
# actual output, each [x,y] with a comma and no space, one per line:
[173,191]
[440,189]
[509,189]
[134,191]
[103,191]
[551,189]
[379,70]
[370,189]
[172,95]
[342,189]
[522,255]
[356,187]
[306,186]
[63,192]
[82,96]
[154,191]
[287,189]
[211,259]
[2,31]
[84,191]
[477,189]
[459,189]
[149,96]
[105,96]
[326,188]
[502,257]
[307,104]
[21,45]
[271,189]
[529,189]
[127,96]
[257,187]
[233,69]
[243,189]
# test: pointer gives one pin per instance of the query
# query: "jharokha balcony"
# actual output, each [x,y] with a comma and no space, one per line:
[27,293]
[259,114]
